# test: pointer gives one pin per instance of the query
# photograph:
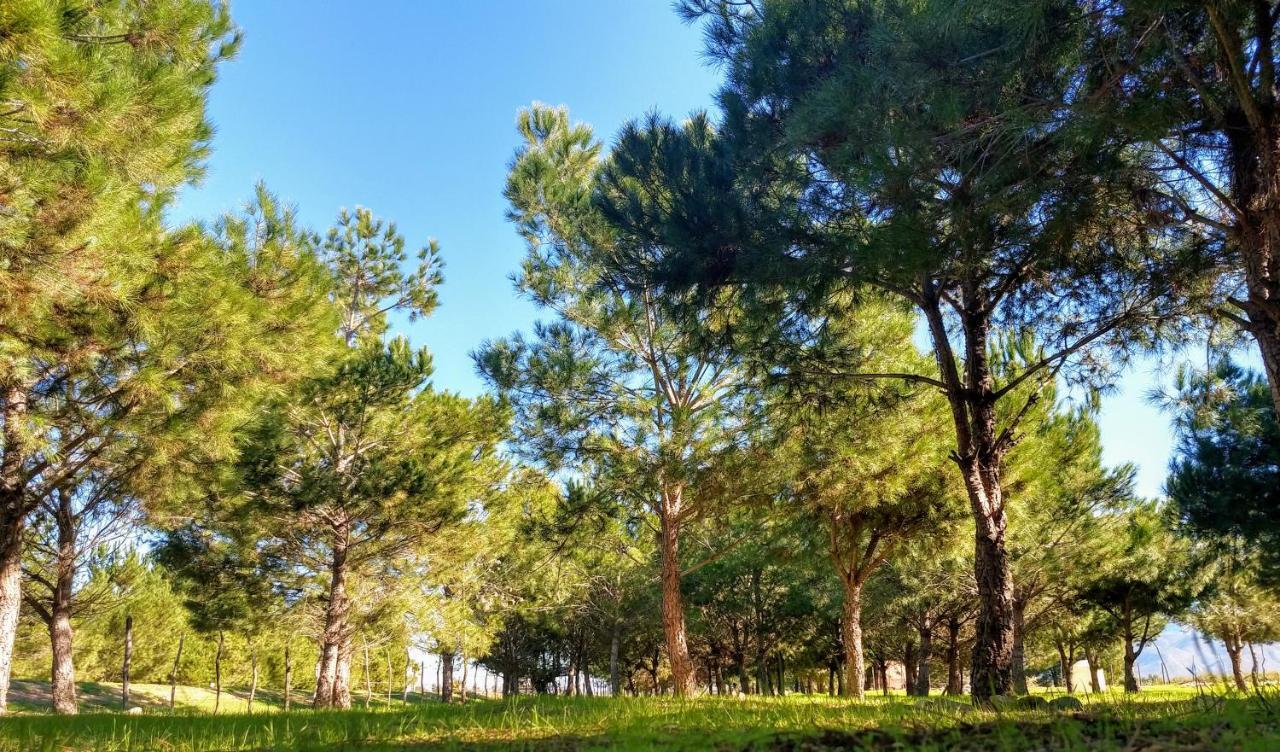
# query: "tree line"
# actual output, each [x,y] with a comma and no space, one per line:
[814,391]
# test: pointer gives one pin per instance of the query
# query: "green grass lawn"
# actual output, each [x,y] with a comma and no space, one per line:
[1161,719]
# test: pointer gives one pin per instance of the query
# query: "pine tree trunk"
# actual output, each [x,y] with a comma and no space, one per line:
[1064,662]
[1019,649]
[12,522]
[462,686]
[253,679]
[991,670]
[217,675]
[446,676]
[128,662]
[1130,657]
[60,633]
[955,682]
[673,624]
[615,672]
[328,689]
[909,667]
[1094,683]
[926,653]
[173,676]
[342,679]
[1235,650]
[288,676]
[368,679]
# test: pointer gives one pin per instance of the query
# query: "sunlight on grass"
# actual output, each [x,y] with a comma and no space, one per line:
[1171,718]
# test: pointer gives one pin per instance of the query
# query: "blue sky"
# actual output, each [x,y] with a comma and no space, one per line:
[408,108]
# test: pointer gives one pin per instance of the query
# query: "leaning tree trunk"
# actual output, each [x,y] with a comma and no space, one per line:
[673,625]
[173,677]
[335,628]
[217,675]
[60,633]
[926,652]
[12,515]
[1019,648]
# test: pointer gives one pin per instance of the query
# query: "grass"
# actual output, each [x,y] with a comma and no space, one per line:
[1162,719]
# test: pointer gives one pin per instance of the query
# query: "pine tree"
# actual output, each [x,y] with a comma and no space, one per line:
[101,119]
[611,385]
[918,148]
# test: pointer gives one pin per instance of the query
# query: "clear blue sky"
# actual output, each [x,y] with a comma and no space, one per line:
[408,107]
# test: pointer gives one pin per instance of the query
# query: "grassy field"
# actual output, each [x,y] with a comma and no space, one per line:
[1160,719]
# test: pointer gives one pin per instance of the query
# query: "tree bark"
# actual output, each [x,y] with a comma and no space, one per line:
[1065,662]
[342,677]
[673,624]
[13,509]
[446,676]
[217,675]
[926,653]
[128,661]
[615,644]
[1019,649]
[328,693]
[60,632]
[288,676]
[909,667]
[253,679]
[1235,651]
[1094,683]
[368,679]
[955,682]
[173,676]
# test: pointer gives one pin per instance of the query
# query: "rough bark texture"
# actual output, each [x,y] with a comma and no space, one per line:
[925,654]
[980,449]
[446,676]
[955,682]
[1019,667]
[851,635]
[60,633]
[328,692]
[13,507]
[1235,652]
[673,625]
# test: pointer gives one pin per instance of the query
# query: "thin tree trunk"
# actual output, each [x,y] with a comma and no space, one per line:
[1253,666]
[128,661]
[673,624]
[462,687]
[1064,663]
[288,676]
[217,675]
[1130,655]
[615,673]
[253,679]
[173,675]
[368,679]
[390,676]
[60,632]
[909,667]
